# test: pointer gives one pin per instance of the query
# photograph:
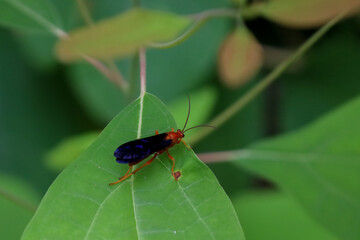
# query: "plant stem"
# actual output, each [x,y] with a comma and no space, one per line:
[213,157]
[37,18]
[20,202]
[85,13]
[114,74]
[142,56]
[271,77]
[200,19]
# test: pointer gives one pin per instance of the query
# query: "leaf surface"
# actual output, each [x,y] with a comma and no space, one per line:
[320,166]
[148,205]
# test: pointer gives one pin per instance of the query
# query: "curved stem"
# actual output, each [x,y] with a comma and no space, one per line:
[212,13]
[113,74]
[200,19]
[265,82]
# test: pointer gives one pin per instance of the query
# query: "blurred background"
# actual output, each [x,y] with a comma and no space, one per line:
[51,111]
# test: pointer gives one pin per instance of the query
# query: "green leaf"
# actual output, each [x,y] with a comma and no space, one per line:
[30,15]
[148,205]
[322,69]
[121,35]
[24,92]
[278,216]
[320,166]
[17,205]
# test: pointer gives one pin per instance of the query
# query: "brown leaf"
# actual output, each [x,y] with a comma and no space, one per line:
[239,58]
[305,13]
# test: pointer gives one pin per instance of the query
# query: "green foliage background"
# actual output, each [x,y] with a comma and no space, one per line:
[44,103]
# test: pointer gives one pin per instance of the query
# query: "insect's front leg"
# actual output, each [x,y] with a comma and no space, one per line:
[177,174]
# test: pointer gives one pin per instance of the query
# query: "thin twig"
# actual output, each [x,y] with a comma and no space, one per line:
[37,18]
[16,200]
[113,74]
[213,157]
[85,13]
[261,86]
[200,19]
[142,56]
[105,71]
[220,12]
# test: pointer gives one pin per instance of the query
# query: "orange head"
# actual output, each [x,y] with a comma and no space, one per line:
[175,136]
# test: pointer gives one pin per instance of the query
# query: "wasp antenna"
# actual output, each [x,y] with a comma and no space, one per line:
[188,113]
[204,125]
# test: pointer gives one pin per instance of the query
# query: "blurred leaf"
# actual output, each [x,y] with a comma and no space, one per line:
[202,104]
[301,101]
[30,15]
[320,166]
[36,111]
[15,217]
[305,13]
[275,215]
[121,35]
[68,150]
[149,205]
[240,57]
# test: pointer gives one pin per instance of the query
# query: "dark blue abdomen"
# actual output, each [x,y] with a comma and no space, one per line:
[137,150]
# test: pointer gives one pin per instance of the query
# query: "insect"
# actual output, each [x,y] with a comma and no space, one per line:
[134,152]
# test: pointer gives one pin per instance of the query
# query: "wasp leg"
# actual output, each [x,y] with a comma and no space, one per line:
[126,176]
[127,171]
[175,175]
[130,165]
[156,132]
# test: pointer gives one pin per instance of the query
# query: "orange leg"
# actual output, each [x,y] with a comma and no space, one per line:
[126,176]
[172,129]
[156,132]
[173,160]
[127,171]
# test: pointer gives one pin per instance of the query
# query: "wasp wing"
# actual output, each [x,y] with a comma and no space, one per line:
[137,150]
